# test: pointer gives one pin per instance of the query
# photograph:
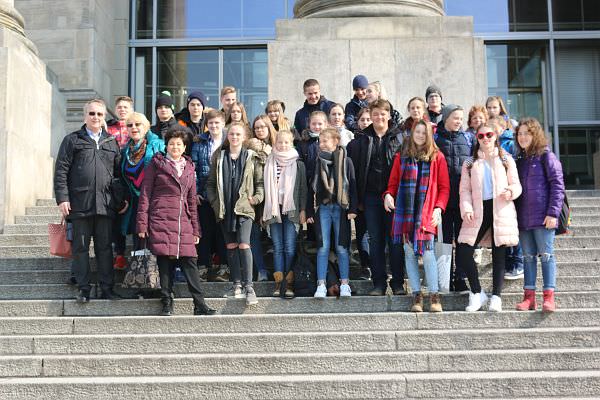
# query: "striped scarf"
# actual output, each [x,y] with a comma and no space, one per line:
[406,225]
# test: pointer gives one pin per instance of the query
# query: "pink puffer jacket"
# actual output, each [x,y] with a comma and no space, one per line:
[506,228]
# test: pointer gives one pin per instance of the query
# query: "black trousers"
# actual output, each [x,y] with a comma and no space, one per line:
[464,254]
[100,228]
[166,267]
[212,237]
[360,224]
[118,238]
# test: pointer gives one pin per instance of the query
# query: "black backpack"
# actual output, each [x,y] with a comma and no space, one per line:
[305,272]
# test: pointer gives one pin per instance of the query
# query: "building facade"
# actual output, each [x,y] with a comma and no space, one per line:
[542,56]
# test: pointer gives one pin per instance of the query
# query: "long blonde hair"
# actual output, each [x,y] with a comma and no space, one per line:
[282,122]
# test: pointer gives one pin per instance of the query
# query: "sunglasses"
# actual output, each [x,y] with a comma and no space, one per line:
[93,113]
[488,135]
[137,124]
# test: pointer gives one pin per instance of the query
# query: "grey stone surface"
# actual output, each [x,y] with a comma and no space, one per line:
[35,326]
[20,366]
[15,345]
[366,8]
[31,308]
[391,48]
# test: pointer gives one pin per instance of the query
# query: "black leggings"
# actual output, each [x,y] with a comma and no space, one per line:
[464,254]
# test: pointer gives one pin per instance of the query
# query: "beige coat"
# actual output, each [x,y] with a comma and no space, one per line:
[506,228]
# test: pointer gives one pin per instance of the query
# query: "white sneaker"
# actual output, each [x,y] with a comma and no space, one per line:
[476,301]
[321,292]
[495,304]
[345,290]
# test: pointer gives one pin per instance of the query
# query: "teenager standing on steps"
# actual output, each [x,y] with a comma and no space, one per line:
[333,192]
[489,183]
[538,210]
[284,207]
[417,194]
[235,187]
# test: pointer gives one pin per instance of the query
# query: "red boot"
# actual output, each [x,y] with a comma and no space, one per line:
[528,302]
[548,305]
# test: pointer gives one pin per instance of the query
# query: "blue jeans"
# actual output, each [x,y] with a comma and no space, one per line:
[412,269]
[514,258]
[283,236]
[256,247]
[538,242]
[330,215]
[379,226]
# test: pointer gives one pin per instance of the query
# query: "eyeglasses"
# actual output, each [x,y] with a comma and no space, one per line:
[488,135]
[137,125]
[94,113]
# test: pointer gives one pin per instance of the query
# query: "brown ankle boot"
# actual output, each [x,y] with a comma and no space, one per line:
[435,303]
[289,289]
[417,305]
[278,277]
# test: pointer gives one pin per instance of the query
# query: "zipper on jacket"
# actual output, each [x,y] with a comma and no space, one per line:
[179,222]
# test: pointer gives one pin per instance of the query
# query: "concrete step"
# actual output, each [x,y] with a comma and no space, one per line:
[268,305]
[43,210]
[563,254]
[582,193]
[330,386]
[458,340]
[37,264]
[46,203]
[27,290]
[37,219]
[21,229]
[25,239]
[585,210]
[577,220]
[584,230]
[316,361]
[582,242]
[584,201]
[320,322]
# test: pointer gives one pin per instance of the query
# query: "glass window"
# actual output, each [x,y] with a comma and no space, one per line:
[578,148]
[578,79]
[224,19]
[516,73]
[502,15]
[143,81]
[182,71]
[575,15]
[246,70]
[143,30]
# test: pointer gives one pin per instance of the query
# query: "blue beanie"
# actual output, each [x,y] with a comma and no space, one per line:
[360,82]
[196,94]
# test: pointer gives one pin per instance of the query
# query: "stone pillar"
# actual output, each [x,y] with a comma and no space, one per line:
[25,119]
[406,53]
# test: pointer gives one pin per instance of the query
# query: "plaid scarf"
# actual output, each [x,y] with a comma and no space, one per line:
[406,226]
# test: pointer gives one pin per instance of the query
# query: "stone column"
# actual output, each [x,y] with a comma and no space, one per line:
[25,119]
[406,44]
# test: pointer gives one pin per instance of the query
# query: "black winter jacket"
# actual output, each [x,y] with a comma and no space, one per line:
[301,119]
[308,149]
[360,149]
[351,112]
[456,147]
[87,175]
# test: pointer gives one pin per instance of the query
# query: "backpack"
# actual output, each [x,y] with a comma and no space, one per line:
[305,272]
[563,221]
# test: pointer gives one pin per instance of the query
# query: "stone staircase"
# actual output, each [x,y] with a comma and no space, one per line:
[357,348]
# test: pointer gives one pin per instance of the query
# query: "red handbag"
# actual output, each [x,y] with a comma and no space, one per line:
[59,245]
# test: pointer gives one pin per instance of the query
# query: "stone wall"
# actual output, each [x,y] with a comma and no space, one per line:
[25,126]
[406,53]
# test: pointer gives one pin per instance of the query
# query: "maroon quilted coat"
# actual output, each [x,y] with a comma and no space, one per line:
[167,208]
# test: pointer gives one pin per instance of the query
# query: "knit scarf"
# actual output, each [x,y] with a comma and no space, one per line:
[136,151]
[331,172]
[409,206]
[178,164]
[280,191]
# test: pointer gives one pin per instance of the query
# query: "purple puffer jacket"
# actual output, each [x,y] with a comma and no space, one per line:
[167,208]
[543,189]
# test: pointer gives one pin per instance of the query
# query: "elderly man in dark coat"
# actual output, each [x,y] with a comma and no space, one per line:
[89,194]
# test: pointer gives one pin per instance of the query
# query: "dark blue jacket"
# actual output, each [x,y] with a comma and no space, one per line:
[308,149]
[456,147]
[302,115]
[201,158]
[351,111]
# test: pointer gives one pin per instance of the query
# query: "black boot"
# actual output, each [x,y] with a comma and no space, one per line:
[167,309]
[203,309]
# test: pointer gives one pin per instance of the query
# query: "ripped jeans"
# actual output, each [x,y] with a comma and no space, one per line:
[538,242]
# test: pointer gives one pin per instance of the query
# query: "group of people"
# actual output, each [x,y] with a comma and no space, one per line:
[201,187]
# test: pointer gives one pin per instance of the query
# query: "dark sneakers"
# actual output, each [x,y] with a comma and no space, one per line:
[204,310]
[83,296]
[377,291]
